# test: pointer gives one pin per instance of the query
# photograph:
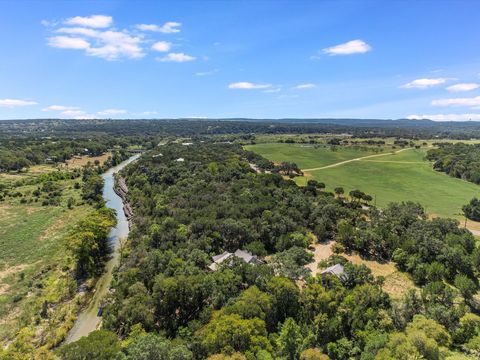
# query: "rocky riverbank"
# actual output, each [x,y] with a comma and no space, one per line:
[121,190]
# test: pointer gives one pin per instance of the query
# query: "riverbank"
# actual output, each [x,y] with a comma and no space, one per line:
[89,320]
[121,190]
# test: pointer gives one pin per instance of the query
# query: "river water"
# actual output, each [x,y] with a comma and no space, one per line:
[88,320]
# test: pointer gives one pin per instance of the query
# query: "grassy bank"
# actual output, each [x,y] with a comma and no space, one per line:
[38,294]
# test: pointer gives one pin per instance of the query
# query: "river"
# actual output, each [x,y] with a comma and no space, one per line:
[88,320]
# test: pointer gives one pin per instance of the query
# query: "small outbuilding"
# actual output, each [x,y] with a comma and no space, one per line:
[337,270]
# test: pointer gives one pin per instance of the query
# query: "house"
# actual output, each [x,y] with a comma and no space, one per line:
[338,270]
[180,160]
[228,256]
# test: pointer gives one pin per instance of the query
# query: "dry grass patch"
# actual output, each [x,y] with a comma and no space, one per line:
[4,210]
[11,270]
[40,169]
[80,161]
[396,283]
[378,269]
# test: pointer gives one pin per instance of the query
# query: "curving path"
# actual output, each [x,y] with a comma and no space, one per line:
[356,159]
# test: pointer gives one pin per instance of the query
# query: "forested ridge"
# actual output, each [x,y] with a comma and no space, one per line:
[193,202]
[363,128]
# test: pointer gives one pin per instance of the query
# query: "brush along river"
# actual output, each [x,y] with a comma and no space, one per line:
[88,320]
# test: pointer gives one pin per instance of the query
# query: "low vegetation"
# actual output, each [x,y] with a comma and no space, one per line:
[53,231]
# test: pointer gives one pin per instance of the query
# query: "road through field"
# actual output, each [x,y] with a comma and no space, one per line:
[356,159]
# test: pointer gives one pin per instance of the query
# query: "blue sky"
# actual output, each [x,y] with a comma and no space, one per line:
[261,59]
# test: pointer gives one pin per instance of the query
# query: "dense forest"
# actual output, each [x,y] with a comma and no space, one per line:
[458,160]
[195,202]
[362,128]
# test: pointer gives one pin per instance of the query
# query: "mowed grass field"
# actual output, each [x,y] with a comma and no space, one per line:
[393,177]
[310,156]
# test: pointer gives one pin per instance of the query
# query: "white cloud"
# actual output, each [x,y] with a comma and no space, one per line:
[305,86]
[109,44]
[108,112]
[348,48]
[463,87]
[446,117]
[248,85]
[206,73]
[74,114]
[94,21]
[48,23]
[60,108]
[170,27]
[67,42]
[424,83]
[78,31]
[273,90]
[116,44]
[11,103]
[96,37]
[162,46]
[176,57]
[473,101]
[145,113]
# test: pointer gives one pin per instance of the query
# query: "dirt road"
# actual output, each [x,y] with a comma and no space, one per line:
[356,159]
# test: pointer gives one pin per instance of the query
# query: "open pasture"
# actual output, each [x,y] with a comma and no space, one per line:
[402,176]
[310,156]
[34,265]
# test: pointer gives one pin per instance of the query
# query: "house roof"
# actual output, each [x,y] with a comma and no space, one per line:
[221,258]
[245,255]
[241,254]
[336,269]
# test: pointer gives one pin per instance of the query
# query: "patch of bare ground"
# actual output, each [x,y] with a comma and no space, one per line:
[473,226]
[80,161]
[321,252]
[4,210]
[396,282]
[4,289]
[11,270]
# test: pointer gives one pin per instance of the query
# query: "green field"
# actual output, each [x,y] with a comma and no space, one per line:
[392,177]
[309,156]
[34,264]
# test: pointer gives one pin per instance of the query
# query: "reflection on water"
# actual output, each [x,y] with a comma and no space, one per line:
[88,320]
